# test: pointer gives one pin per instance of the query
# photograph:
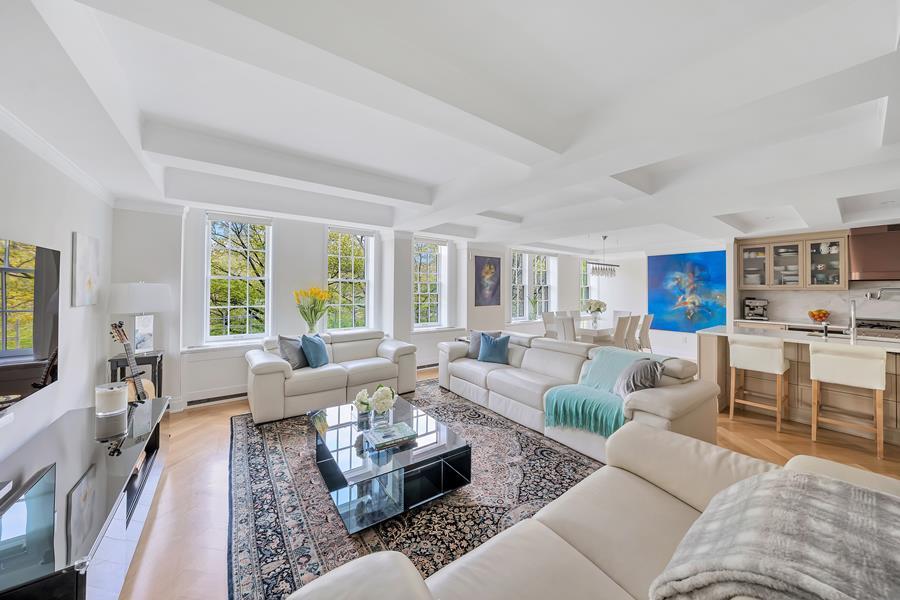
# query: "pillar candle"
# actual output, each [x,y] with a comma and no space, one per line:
[111,398]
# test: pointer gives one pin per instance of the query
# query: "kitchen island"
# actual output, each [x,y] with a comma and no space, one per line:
[853,403]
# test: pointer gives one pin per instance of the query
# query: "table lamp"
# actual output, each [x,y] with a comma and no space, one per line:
[140,299]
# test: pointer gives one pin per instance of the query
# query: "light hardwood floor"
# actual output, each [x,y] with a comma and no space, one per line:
[183,551]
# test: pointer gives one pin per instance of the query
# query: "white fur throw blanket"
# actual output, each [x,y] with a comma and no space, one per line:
[788,535]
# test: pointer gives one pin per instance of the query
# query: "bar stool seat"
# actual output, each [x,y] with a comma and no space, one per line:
[854,366]
[761,354]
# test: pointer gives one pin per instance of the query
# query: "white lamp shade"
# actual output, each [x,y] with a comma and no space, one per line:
[140,297]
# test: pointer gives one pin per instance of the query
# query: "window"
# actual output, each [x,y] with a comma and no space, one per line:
[17,263]
[348,279]
[238,278]
[518,285]
[585,283]
[427,286]
[530,285]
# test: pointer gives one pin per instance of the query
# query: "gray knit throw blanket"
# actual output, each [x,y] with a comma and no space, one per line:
[784,535]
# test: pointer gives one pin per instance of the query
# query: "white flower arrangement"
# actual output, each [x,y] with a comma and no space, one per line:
[595,306]
[362,402]
[383,399]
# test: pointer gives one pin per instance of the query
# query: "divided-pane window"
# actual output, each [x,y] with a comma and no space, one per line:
[348,279]
[17,264]
[427,288]
[585,283]
[237,278]
[518,285]
[540,288]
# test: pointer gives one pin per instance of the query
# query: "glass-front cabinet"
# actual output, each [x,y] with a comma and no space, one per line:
[826,263]
[787,261]
[754,266]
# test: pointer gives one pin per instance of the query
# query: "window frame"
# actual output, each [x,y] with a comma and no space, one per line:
[531,277]
[367,281]
[208,277]
[584,285]
[439,296]
[5,270]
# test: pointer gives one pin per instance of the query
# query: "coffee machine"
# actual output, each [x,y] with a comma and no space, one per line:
[756,309]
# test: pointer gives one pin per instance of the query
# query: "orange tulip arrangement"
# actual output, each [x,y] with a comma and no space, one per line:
[312,304]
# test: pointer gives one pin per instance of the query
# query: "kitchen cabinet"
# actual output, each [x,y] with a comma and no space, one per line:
[826,264]
[810,262]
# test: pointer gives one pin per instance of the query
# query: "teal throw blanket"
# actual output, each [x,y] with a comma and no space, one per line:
[591,405]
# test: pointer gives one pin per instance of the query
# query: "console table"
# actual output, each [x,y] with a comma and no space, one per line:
[152,358]
[98,503]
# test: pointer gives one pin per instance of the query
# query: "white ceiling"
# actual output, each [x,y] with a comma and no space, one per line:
[495,121]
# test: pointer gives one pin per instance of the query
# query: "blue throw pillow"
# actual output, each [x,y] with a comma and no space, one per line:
[494,350]
[314,350]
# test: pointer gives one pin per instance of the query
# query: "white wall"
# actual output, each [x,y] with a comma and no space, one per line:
[40,205]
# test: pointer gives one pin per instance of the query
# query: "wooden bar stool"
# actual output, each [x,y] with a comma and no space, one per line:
[855,366]
[763,354]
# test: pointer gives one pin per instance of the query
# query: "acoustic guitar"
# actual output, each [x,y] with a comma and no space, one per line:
[138,389]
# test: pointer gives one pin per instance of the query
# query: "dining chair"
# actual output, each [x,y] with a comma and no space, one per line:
[574,313]
[618,336]
[631,332]
[620,313]
[549,325]
[644,335]
[565,327]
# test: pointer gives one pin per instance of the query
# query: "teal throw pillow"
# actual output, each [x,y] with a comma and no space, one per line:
[314,350]
[494,350]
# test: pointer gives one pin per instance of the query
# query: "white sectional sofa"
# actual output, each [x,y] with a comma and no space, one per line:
[606,538]
[357,359]
[516,390]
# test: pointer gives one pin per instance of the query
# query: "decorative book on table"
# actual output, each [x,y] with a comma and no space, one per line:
[389,437]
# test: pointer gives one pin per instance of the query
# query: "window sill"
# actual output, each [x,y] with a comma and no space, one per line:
[524,322]
[437,329]
[223,345]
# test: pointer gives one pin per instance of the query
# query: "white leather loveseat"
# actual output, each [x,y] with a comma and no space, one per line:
[516,391]
[606,538]
[357,359]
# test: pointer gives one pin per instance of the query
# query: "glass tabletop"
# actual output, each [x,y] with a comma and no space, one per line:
[337,429]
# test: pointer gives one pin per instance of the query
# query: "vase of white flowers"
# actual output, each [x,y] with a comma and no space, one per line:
[596,308]
[363,405]
[382,402]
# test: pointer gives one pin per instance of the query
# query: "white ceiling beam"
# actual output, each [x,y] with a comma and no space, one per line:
[220,30]
[213,190]
[454,230]
[174,146]
[61,87]
[501,216]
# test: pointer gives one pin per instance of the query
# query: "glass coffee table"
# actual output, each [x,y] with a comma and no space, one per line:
[369,486]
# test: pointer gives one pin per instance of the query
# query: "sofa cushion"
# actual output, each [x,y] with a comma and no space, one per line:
[522,385]
[355,349]
[290,350]
[494,350]
[315,351]
[527,562]
[473,371]
[367,370]
[475,341]
[562,365]
[625,525]
[321,379]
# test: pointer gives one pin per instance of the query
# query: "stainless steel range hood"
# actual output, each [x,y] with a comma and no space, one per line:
[875,253]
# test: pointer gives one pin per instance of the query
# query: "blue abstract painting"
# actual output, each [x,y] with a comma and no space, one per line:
[686,292]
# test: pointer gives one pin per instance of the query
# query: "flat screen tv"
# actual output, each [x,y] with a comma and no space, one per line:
[29,319]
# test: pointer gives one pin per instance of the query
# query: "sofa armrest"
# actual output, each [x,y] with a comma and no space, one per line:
[691,470]
[263,363]
[379,575]
[392,349]
[671,401]
[454,350]
[853,475]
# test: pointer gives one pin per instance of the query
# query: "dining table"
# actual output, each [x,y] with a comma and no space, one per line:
[587,328]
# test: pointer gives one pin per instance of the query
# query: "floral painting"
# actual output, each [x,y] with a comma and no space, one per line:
[686,292]
[487,281]
[85,270]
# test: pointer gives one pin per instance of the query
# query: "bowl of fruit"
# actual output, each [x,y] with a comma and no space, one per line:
[819,315]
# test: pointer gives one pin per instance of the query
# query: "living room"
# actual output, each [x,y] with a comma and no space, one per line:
[485,300]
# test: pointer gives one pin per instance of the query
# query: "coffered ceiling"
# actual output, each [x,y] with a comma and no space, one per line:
[544,124]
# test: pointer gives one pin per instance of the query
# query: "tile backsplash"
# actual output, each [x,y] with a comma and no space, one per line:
[793,305]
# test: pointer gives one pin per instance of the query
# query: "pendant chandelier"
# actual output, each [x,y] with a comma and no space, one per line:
[602,268]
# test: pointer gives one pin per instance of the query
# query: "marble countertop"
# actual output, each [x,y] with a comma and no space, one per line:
[806,323]
[804,337]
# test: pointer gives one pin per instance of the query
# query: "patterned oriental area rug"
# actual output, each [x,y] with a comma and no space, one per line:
[285,531]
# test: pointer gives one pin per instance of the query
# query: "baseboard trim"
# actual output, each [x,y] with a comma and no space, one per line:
[227,398]
[431,366]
